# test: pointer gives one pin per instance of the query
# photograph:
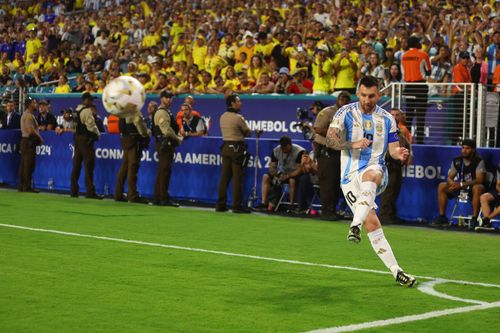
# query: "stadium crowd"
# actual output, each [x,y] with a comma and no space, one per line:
[254,46]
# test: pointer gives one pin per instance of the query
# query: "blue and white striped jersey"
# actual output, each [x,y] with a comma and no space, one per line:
[379,127]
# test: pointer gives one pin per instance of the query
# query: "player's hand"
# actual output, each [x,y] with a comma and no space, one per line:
[403,154]
[361,144]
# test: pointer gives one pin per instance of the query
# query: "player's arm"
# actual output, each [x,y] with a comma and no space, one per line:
[397,152]
[337,141]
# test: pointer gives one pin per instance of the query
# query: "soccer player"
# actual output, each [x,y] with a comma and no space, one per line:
[363,131]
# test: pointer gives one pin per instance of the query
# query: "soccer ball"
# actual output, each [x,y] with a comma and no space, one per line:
[123,96]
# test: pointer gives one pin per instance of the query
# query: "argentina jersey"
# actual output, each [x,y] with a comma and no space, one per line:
[378,127]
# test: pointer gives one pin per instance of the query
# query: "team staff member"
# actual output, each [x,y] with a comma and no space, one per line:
[86,133]
[234,129]
[165,130]
[134,137]
[30,138]
[388,207]
[415,65]
[328,159]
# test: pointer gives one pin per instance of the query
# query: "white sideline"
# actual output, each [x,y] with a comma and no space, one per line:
[407,319]
[248,256]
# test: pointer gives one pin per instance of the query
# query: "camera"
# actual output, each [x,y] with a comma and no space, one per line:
[68,111]
[304,124]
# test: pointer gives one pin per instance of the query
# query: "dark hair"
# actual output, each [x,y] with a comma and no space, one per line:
[413,42]
[398,77]
[285,141]
[469,142]
[368,81]
[231,99]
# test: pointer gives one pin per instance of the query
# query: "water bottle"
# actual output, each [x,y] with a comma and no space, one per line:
[50,184]
[106,189]
[460,221]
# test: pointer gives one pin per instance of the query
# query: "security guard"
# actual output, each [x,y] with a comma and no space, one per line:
[30,138]
[165,130]
[134,137]
[86,133]
[328,159]
[234,129]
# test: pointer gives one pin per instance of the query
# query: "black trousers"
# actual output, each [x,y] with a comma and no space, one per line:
[329,180]
[162,181]
[390,195]
[129,168]
[417,108]
[233,155]
[26,165]
[83,152]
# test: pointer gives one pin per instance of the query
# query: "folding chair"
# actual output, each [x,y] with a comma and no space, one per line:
[284,198]
[461,209]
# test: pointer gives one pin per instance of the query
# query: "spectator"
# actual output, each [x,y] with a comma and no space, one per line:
[256,68]
[152,107]
[283,82]
[322,72]
[284,169]
[66,124]
[345,65]
[373,68]
[192,125]
[466,178]
[492,52]
[393,75]
[62,86]
[46,120]
[264,85]
[441,70]
[479,69]
[10,119]
[300,84]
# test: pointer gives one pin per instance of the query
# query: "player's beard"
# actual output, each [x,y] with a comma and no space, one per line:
[367,107]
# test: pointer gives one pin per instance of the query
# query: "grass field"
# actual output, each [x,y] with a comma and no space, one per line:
[78,265]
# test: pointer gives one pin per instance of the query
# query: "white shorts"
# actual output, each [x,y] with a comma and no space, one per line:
[352,190]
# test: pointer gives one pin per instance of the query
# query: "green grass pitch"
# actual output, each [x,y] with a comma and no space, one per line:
[55,282]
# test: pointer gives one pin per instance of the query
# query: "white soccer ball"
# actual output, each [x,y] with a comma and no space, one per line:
[123,96]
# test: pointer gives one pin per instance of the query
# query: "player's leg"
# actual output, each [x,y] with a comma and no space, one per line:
[370,180]
[384,251]
[351,193]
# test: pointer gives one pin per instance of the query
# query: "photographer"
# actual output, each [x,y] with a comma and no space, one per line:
[86,133]
[285,167]
[328,159]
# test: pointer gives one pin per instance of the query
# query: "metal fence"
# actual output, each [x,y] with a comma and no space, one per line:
[446,113]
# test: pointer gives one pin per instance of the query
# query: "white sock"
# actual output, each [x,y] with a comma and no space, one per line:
[383,249]
[365,203]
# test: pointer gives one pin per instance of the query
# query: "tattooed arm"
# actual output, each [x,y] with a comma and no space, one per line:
[337,141]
